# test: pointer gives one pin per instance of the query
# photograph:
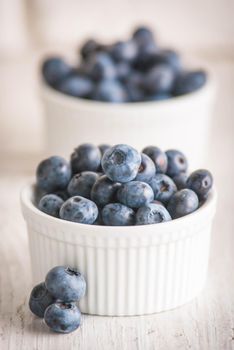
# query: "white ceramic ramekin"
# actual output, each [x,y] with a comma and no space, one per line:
[181,122]
[132,270]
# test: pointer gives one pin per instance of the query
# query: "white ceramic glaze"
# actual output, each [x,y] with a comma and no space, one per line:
[181,122]
[131,270]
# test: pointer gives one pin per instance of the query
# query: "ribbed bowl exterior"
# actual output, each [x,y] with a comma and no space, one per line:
[129,270]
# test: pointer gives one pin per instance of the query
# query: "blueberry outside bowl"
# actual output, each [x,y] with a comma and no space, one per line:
[181,122]
[131,270]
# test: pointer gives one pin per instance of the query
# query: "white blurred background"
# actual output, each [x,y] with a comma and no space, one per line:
[31,28]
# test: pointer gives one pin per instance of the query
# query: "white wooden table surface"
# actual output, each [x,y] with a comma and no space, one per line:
[205,323]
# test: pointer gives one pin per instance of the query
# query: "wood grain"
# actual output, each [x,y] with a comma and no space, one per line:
[205,323]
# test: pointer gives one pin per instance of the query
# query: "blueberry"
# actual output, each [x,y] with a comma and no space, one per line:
[101,67]
[77,86]
[104,191]
[152,213]
[170,58]
[145,59]
[123,70]
[86,157]
[53,174]
[158,97]
[63,317]
[159,79]
[158,157]
[124,51]
[135,194]
[135,94]
[177,162]
[181,181]
[146,170]
[187,82]
[99,220]
[54,70]
[116,214]
[81,184]
[62,194]
[121,163]
[109,90]
[155,201]
[135,78]
[89,48]
[133,85]
[40,299]
[103,148]
[65,284]
[79,209]
[163,187]
[182,203]
[50,204]
[143,35]
[200,181]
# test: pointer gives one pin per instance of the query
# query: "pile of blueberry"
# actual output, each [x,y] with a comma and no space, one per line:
[118,186]
[126,71]
[55,299]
